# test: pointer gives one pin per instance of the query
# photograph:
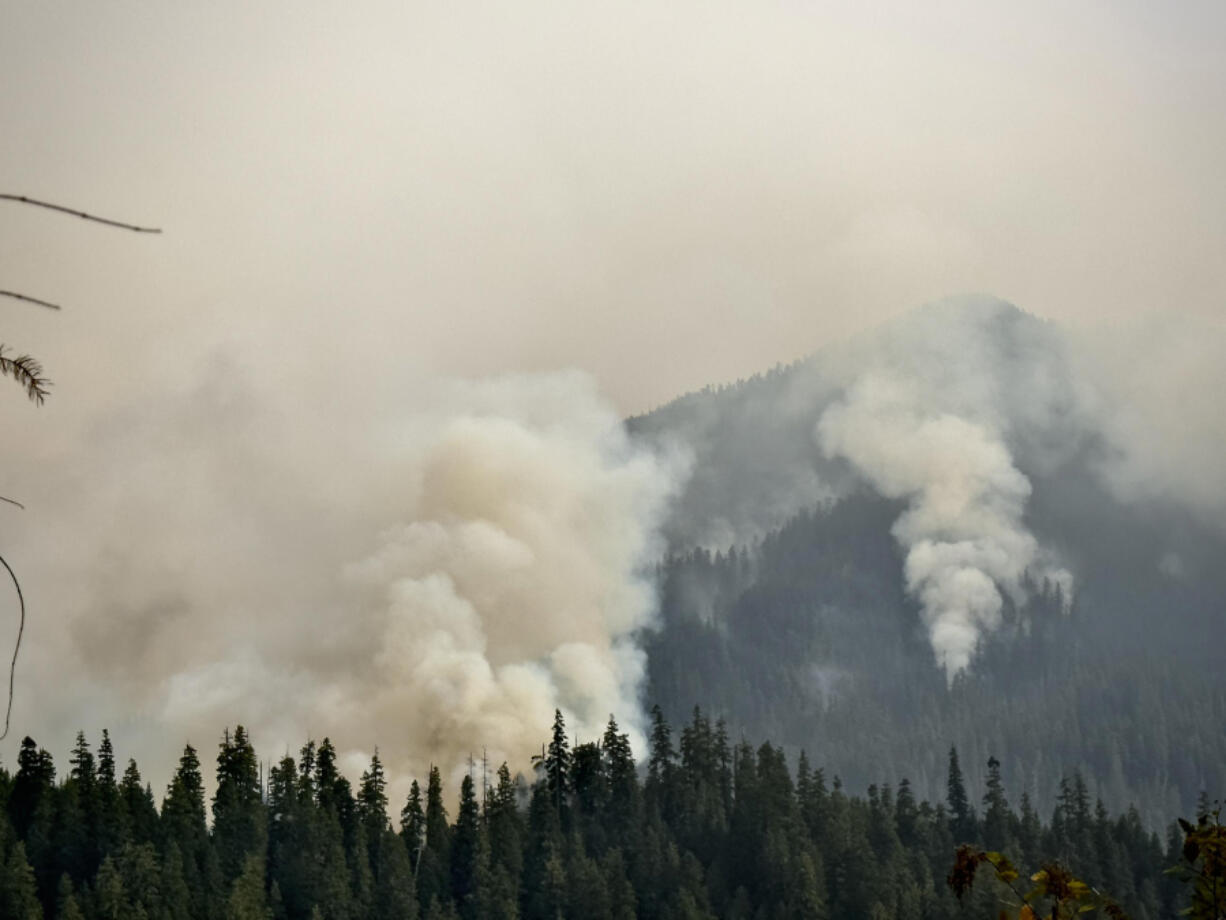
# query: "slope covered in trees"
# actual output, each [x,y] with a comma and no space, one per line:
[710,828]
[808,637]
[785,602]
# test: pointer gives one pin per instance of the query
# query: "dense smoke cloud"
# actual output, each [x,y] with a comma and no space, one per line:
[963,532]
[928,415]
[958,409]
[433,574]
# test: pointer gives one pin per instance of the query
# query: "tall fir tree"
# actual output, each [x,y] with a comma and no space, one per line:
[961,819]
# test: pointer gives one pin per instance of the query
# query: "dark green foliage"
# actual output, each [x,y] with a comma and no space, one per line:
[465,856]
[434,864]
[961,818]
[808,637]
[709,831]
[413,824]
[240,826]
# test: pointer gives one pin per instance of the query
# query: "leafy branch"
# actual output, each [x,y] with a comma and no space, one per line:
[28,373]
[1204,865]
[1067,895]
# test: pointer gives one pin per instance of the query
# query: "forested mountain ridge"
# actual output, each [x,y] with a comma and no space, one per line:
[709,829]
[786,606]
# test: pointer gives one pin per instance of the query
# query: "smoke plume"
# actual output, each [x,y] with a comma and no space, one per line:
[963,532]
[432,573]
[928,412]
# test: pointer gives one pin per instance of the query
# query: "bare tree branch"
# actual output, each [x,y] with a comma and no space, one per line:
[12,502]
[21,628]
[22,199]
[34,300]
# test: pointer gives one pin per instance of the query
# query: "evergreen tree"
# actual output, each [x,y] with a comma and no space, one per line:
[394,895]
[465,841]
[997,832]
[505,830]
[413,824]
[33,783]
[176,897]
[434,865]
[557,766]
[660,765]
[140,876]
[140,815]
[247,900]
[18,890]
[906,815]
[240,827]
[110,900]
[183,824]
[67,907]
[113,826]
[372,812]
[961,819]
[622,809]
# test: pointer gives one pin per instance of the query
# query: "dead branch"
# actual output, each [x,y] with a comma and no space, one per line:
[22,199]
[34,300]
[21,628]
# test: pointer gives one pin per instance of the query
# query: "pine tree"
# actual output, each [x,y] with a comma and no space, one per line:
[996,819]
[962,823]
[434,866]
[112,822]
[505,828]
[661,766]
[176,896]
[67,907]
[464,846]
[140,815]
[110,901]
[372,810]
[18,890]
[395,897]
[183,824]
[140,875]
[906,815]
[413,824]
[558,764]
[247,900]
[623,805]
[33,783]
[240,826]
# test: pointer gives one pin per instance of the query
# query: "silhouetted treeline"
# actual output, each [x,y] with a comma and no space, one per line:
[707,829]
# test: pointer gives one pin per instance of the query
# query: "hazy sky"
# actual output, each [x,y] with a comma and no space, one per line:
[665,194]
[360,199]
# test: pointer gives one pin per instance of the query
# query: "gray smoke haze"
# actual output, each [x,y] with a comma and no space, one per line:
[955,409]
[926,419]
[361,200]
[434,574]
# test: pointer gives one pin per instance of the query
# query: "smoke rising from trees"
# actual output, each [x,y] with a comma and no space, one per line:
[455,559]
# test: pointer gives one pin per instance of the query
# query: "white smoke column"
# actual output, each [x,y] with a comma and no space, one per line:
[516,584]
[432,570]
[963,533]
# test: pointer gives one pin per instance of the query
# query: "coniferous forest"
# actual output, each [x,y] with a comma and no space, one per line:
[708,827]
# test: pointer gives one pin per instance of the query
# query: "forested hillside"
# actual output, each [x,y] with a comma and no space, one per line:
[808,638]
[785,599]
[710,828]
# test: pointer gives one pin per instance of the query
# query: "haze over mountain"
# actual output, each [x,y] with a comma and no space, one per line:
[962,527]
[968,526]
